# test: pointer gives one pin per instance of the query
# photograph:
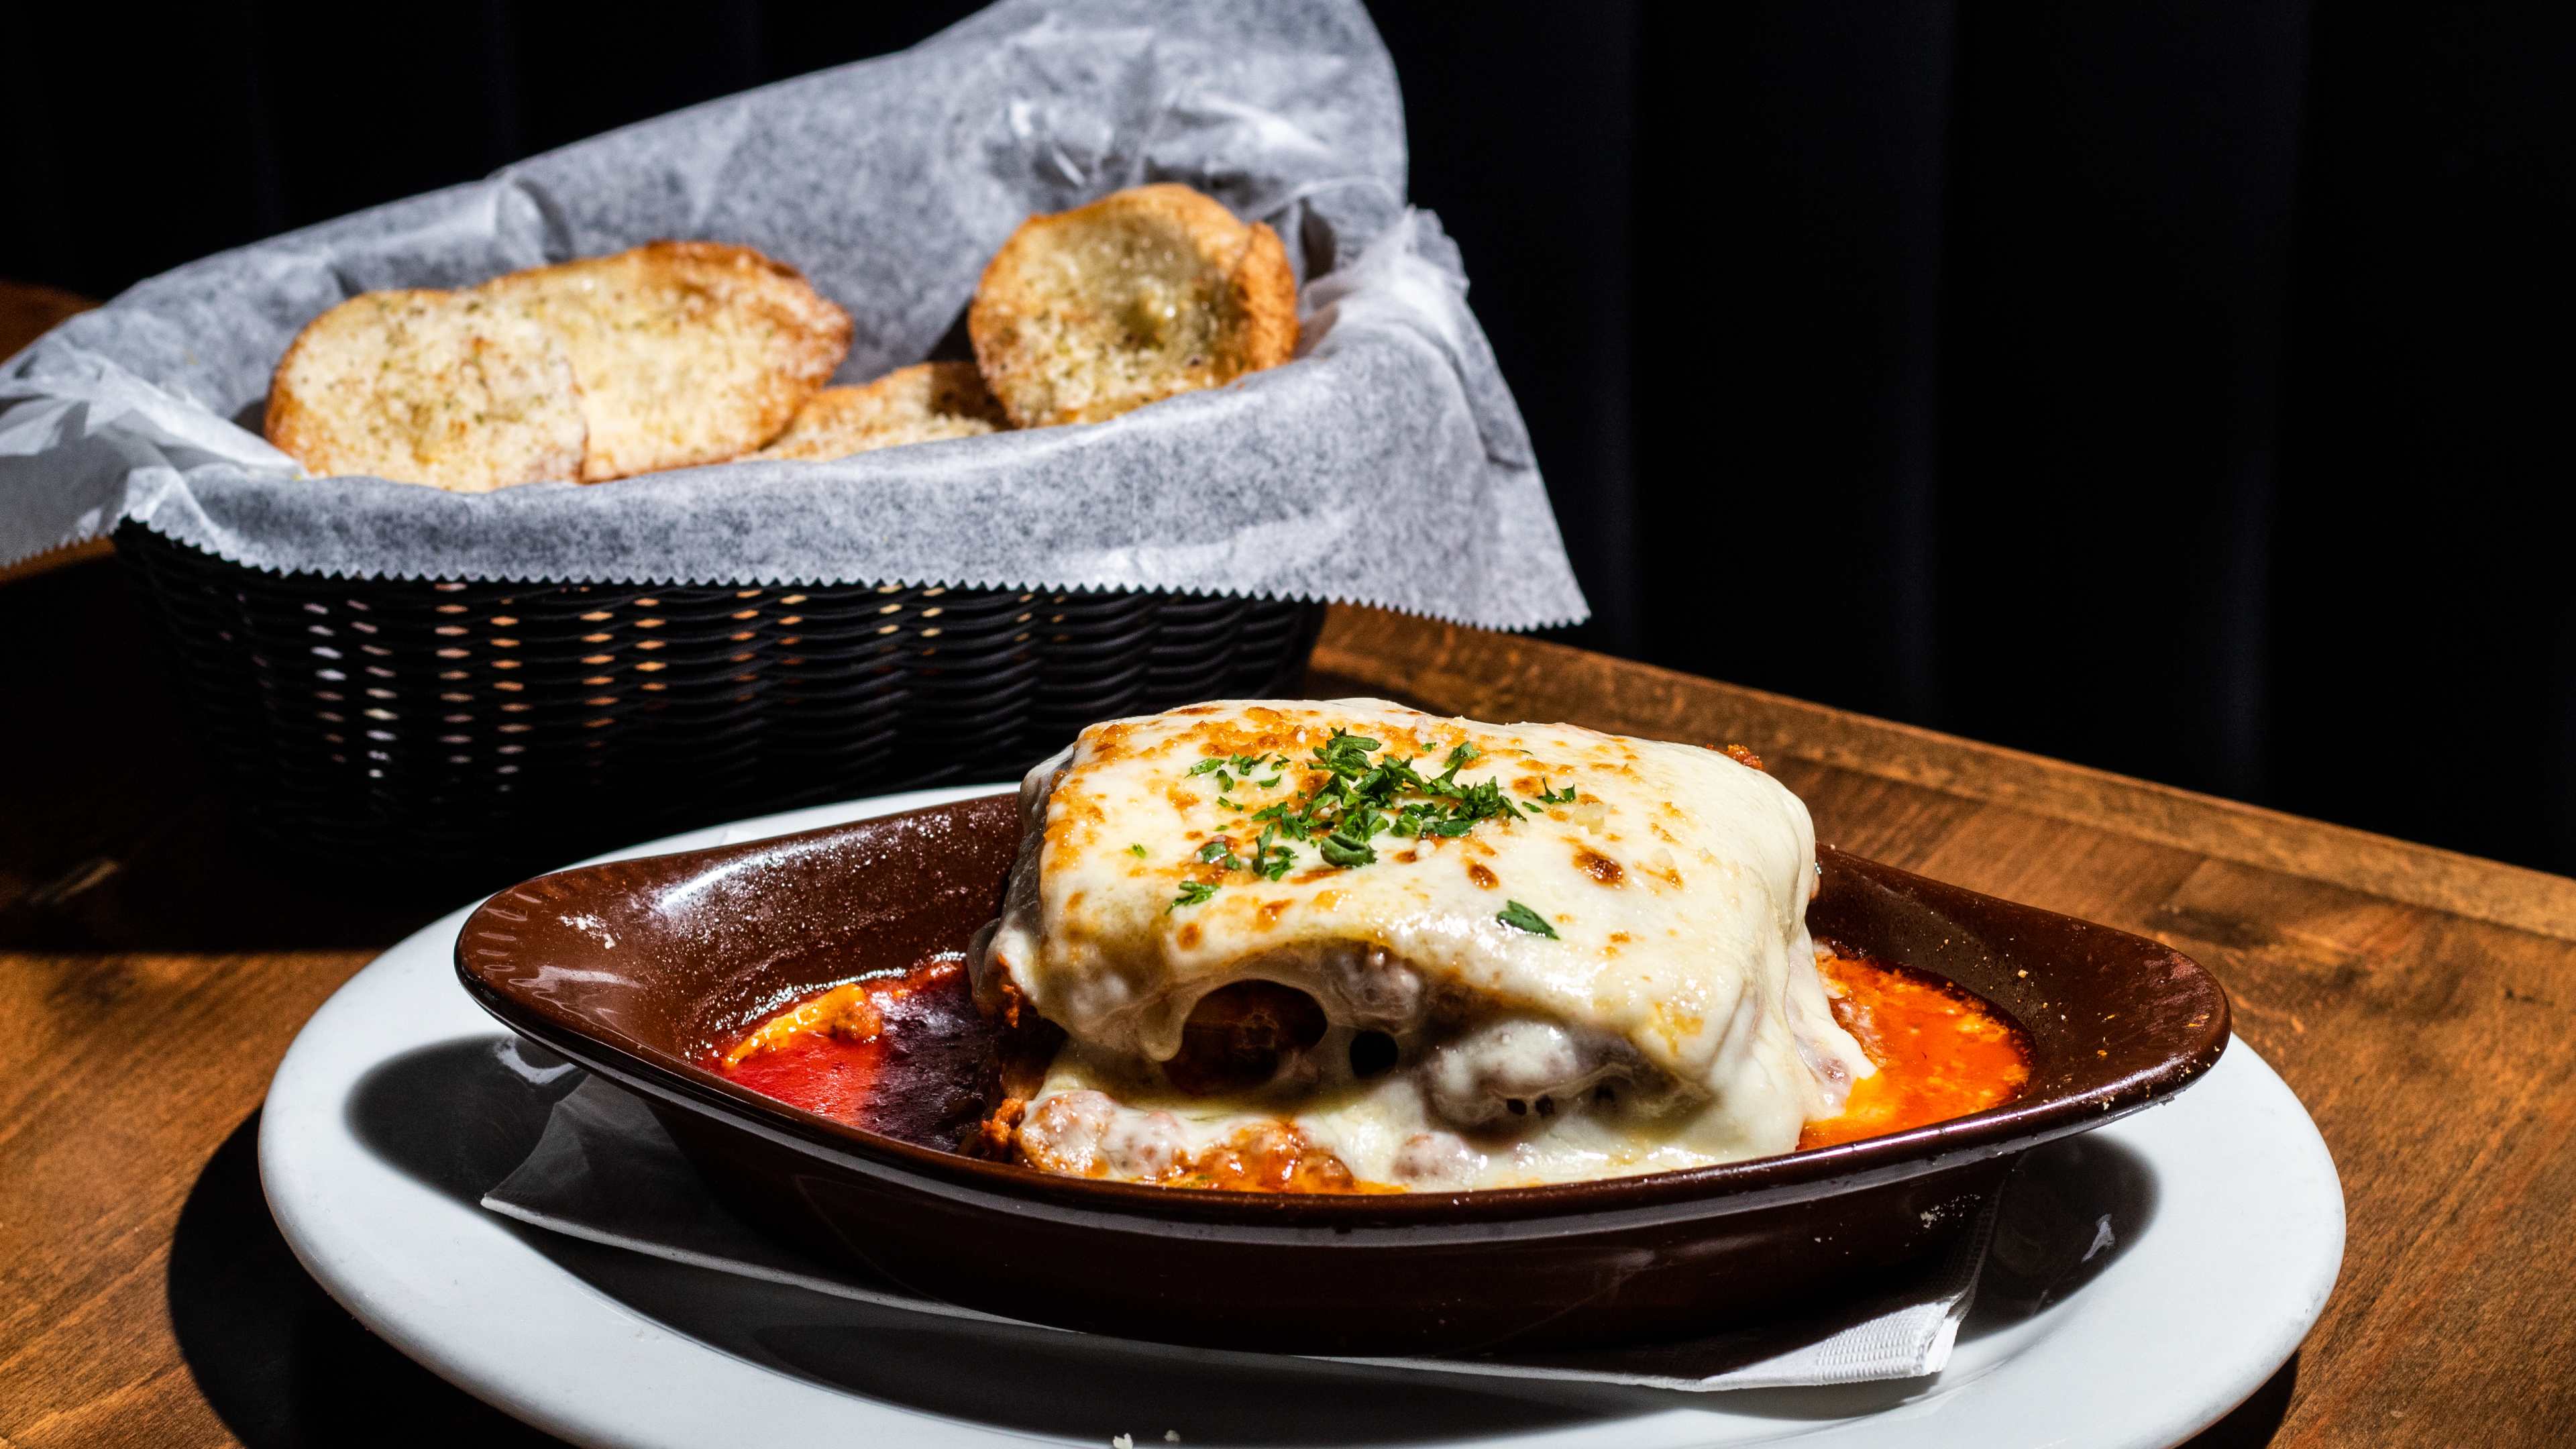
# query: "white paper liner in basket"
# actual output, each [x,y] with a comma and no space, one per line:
[1387,464]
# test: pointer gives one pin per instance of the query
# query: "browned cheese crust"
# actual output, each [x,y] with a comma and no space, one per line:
[442,388]
[925,403]
[1140,295]
[687,352]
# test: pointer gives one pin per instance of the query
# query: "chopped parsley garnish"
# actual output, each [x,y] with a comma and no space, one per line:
[1343,851]
[1561,797]
[1268,860]
[1521,918]
[1358,791]
[1137,851]
[1193,892]
[1360,798]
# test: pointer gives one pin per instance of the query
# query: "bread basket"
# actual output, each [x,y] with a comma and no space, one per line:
[371,669]
[480,728]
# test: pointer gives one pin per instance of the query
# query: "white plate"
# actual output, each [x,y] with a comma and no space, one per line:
[2219,1235]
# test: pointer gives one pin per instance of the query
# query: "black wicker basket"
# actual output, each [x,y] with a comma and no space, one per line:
[485,728]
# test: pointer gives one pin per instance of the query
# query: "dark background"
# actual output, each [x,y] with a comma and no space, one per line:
[2175,387]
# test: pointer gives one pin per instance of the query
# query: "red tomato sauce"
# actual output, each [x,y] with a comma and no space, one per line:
[908,1055]
[828,1073]
[1940,1051]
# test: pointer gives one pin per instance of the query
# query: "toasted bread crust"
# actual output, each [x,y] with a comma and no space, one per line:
[1142,294]
[687,352]
[927,402]
[428,387]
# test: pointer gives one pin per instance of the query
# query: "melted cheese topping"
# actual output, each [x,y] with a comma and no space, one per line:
[1674,1019]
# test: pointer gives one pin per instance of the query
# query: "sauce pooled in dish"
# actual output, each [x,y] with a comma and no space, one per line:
[905,1054]
[1940,1052]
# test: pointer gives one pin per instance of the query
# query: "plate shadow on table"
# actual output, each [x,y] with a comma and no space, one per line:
[282,1365]
[459,1115]
[2251,1424]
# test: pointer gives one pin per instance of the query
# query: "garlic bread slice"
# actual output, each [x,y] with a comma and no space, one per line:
[1145,293]
[449,389]
[687,352]
[924,403]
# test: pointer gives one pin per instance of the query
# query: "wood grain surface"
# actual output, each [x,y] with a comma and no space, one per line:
[153,968]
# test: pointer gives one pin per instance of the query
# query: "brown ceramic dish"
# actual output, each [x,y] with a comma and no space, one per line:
[635,968]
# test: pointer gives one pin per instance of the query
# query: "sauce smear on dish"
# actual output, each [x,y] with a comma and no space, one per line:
[1940,1051]
[908,1055]
[904,1054]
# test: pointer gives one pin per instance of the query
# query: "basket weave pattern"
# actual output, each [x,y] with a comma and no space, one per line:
[490,726]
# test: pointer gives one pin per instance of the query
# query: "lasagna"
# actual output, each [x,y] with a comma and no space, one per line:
[1352,946]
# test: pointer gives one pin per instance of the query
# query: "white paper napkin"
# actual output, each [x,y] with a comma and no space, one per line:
[606,1172]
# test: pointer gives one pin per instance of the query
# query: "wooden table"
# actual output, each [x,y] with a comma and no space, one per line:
[2423,1004]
